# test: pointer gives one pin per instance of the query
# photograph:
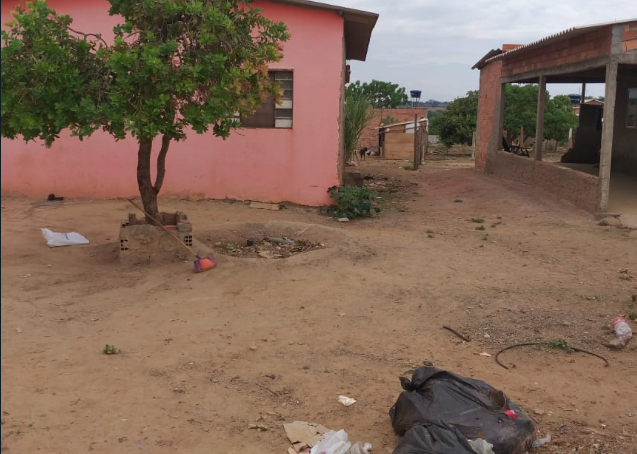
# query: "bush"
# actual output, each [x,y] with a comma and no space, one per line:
[351,202]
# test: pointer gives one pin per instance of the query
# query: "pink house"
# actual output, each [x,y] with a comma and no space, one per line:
[292,152]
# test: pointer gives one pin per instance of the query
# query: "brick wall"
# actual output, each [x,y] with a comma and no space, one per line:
[629,38]
[488,112]
[369,137]
[578,48]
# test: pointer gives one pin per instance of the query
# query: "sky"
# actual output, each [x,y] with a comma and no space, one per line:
[431,45]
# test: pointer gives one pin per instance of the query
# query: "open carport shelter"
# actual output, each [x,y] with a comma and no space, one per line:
[603,53]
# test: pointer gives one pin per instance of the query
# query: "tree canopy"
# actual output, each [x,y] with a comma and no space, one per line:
[457,123]
[173,65]
[380,94]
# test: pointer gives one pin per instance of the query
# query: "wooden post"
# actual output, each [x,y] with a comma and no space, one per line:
[521,139]
[426,139]
[606,152]
[539,121]
[416,156]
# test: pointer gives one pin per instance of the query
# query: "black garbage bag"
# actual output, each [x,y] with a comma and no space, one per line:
[476,409]
[433,438]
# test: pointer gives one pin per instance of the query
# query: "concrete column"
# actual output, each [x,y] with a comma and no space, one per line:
[606,152]
[539,121]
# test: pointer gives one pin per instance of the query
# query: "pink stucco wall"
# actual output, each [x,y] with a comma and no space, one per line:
[296,165]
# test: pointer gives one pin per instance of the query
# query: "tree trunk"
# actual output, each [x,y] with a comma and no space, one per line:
[144,182]
[147,190]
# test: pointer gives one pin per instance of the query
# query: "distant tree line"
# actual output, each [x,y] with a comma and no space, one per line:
[457,124]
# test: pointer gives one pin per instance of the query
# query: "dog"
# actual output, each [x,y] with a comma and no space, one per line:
[362,153]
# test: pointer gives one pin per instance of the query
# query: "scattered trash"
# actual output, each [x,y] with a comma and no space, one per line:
[560,343]
[26,275]
[55,239]
[487,336]
[338,443]
[623,333]
[343,219]
[461,336]
[476,409]
[332,443]
[303,434]
[347,401]
[488,355]
[541,442]
[481,446]
[511,414]
[434,437]
[52,197]
[258,426]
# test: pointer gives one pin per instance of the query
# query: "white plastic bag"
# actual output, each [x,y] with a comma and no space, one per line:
[54,239]
[332,443]
[481,446]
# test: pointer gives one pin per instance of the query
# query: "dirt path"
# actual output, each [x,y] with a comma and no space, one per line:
[263,340]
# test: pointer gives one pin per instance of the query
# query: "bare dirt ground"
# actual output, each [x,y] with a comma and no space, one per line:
[275,340]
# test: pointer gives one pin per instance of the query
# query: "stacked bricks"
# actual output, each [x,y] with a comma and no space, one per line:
[629,38]
[579,48]
[488,106]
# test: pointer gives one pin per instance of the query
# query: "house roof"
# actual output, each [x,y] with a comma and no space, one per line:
[483,61]
[565,34]
[358,25]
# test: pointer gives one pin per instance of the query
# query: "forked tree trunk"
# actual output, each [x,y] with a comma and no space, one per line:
[147,189]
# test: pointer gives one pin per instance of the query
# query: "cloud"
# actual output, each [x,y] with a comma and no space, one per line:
[431,45]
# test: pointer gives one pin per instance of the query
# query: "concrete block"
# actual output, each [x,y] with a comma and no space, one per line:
[145,244]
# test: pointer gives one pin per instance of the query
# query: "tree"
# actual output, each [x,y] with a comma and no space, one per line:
[357,114]
[521,111]
[173,65]
[381,94]
[458,122]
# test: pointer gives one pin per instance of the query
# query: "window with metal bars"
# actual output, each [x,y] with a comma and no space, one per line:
[271,114]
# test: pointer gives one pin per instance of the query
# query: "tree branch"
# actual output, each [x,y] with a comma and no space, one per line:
[86,35]
[161,163]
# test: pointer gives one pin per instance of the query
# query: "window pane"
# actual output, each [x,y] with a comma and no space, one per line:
[283,75]
[283,113]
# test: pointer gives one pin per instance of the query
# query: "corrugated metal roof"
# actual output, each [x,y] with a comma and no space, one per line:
[568,33]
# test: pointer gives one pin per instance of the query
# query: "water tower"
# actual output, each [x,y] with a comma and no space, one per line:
[415,97]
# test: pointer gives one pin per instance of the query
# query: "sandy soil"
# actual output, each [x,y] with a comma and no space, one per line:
[203,356]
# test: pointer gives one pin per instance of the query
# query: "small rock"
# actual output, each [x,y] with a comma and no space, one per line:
[343,219]
[487,336]
[538,411]
[18,330]
[485,354]
[603,426]
[253,347]
[270,376]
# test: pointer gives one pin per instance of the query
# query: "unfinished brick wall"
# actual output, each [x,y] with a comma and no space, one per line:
[488,113]
[576,49]
[369,138]
[577,188]
[629,38]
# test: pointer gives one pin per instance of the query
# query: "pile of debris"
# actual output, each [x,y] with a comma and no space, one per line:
[440,412]
[267,247]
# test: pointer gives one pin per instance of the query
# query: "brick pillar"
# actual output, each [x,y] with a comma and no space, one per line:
[490,106]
